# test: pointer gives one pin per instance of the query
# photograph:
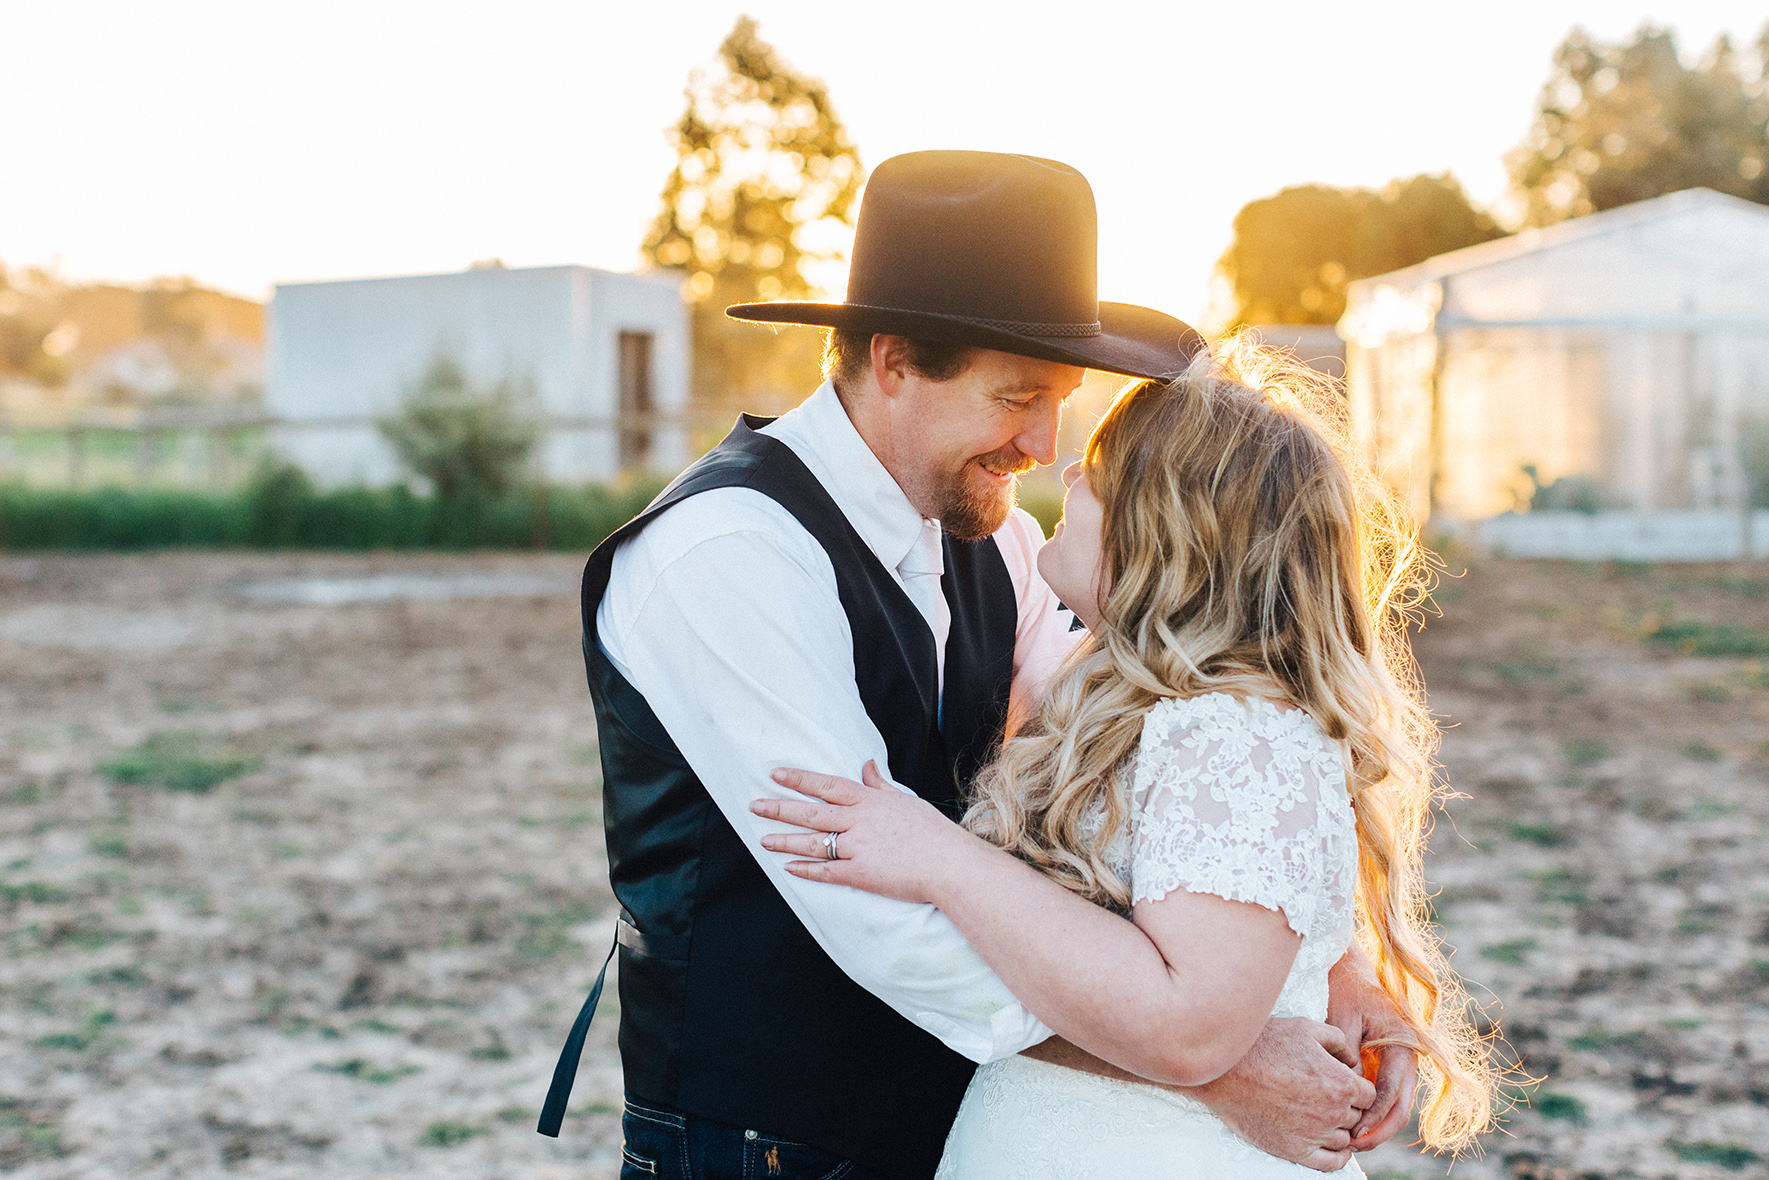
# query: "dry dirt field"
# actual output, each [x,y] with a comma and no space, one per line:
[291,889]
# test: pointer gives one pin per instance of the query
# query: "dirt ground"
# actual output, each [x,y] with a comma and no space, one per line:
[297,890]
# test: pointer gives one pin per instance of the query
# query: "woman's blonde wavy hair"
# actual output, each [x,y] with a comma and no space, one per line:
[1246,552]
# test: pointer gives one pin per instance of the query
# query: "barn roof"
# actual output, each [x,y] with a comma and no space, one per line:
[1624,218]
[1696,260]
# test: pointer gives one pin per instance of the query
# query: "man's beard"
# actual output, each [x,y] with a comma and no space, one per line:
[970,512]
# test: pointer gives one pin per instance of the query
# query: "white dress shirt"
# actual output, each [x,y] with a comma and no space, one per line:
[724,613]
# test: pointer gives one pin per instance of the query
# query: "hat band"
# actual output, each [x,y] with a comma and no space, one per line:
[1071,330]
[1024,328]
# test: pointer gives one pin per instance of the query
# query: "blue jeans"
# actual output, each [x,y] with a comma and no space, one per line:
[662,1144]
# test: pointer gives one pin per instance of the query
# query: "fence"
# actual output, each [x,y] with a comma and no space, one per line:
[216,447]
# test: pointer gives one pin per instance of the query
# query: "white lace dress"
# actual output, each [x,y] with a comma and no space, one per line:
[1242,800]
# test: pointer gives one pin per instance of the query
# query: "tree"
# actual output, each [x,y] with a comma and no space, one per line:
[1294,253]
[1626,122]
[763,194]
[468,442]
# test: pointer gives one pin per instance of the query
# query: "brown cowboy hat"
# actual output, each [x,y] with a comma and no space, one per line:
[992,250]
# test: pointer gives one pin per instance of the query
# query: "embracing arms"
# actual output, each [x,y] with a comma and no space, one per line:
[1177,996]
[1180,996]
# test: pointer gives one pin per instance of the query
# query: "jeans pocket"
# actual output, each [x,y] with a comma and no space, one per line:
[768,1158]
[654,1144]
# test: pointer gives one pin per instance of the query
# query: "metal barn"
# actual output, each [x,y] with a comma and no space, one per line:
[1610,373]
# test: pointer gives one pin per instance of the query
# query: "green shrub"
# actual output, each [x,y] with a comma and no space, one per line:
[464,439]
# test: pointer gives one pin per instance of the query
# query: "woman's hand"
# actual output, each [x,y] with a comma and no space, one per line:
[887,840]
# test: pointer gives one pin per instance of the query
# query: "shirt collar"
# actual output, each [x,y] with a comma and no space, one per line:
[821,434]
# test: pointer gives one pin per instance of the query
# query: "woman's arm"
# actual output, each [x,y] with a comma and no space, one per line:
[1177,996]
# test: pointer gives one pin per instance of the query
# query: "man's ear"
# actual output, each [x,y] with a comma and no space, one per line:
[890,362]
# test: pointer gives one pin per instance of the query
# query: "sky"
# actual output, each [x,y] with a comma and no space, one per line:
[249,142]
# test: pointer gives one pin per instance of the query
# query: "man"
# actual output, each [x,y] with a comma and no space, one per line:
[851,582]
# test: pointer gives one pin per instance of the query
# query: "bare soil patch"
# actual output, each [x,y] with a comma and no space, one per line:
[315,890]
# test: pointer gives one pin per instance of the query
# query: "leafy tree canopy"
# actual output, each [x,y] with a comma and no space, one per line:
[765,181]
[1619,123]
[763,195]
[1294,253]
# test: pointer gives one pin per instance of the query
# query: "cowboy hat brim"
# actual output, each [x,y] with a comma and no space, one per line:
[1133,341]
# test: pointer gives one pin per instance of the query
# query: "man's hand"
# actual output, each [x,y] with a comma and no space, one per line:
[1296,1094]
[1360,1008]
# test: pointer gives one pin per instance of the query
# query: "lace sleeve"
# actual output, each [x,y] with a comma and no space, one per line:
[1242,800]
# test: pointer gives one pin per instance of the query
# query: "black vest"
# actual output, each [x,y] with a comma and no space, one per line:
[728,1008]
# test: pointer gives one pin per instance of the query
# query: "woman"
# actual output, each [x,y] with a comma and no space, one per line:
[1236,759]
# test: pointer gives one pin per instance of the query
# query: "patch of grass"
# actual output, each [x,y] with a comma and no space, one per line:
[548,934]
[1511,954]
[125,975]
[33,1137]
[1541,835]
[38,892]
[175,761]
[1706,639]
[363,1070]
[515,1114]
[1709,692]
[493,1050]
[1586,751]
[1682,1023]
[1596,1040]
[1697,750]
[1710,808]
[1750,980]
[1562,885]
[376,1025]
[109,844]
[1669,874]
[290,851]
[450,1133]
[1734,1157]
[1560,1106]
[90,1035]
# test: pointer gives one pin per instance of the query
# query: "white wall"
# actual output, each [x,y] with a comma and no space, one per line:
[1628,536]
[342,353]
[1630,348]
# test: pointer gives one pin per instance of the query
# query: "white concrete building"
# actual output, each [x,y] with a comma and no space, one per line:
[1624,357]
[607,354]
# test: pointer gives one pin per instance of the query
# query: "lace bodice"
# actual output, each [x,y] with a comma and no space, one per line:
[1242,800]
[1246,801]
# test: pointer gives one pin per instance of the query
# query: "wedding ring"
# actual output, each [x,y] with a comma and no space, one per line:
[829,845]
